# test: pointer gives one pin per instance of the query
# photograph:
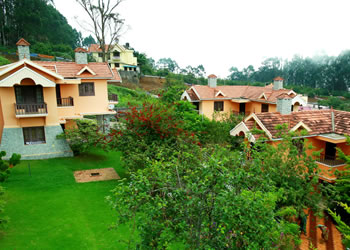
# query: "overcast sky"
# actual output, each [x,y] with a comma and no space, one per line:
[224,33]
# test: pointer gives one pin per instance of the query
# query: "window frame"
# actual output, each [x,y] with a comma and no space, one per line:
[299,143]
[218,106]
[28,138]
[85,91]
[264,110]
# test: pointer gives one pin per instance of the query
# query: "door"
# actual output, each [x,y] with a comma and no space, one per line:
[242,108]
[27,98]
[330,151]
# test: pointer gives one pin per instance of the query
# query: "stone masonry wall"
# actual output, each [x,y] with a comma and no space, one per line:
[13,142]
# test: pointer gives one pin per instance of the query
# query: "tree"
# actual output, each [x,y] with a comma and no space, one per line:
[4,61]
[87,41]
[203,199]
[105,23]
[169,64]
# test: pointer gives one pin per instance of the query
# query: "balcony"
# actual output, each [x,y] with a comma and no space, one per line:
[330,161]
[31,110]
[65,102]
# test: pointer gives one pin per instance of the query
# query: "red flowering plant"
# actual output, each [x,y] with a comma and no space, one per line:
[143,131]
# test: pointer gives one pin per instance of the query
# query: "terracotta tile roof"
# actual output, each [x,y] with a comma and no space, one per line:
[22,42]
[284,96]
[71,69]
[80,50]
[97,48]
[212,76]
[238,91]
[116,76]
[192,95]
[319,121]
[278,78]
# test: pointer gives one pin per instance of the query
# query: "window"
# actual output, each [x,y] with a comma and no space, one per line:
[218,106]
[100,54]
[299,144]
[87,89]
[264,107]
[116,54]
[117,65]
[34,135]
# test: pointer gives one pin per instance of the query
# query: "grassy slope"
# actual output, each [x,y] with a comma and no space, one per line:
[51,211]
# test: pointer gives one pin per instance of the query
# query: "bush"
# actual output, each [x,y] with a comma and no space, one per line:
[4,61]
[83,136]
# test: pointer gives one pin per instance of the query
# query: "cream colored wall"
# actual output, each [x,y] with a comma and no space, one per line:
[127,57]
[207,108]
[8,100]
[85,104]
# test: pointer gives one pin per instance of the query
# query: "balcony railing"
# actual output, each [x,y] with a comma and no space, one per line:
[65,102]
[329,161]
[34,109]
[113,98]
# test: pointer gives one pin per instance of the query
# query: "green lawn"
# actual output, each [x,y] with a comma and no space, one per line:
[49,210]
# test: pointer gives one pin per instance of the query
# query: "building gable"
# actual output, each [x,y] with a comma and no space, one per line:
[25,72]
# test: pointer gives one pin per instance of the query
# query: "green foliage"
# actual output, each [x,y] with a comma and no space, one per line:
[342,226]
[4,61]
[129,97]
[6,165]
[36,21]
[205,199]
[83,136]
[173,89]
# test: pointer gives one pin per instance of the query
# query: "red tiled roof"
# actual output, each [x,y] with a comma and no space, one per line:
[116,76]
[22,42]
[80,50]
[238,91]
[192,95]
[212,76]
[278,78]
[319,121]
[284,96]
[71,69]
[96,48]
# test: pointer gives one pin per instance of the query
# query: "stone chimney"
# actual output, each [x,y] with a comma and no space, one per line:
[284,104]
[81,56]
[278,83]
[212,81]
[23,49]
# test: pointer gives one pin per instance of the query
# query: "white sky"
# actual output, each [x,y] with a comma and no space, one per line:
[224,33]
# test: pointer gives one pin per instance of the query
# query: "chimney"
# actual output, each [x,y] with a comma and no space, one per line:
[81,56]
[212,81]
[284,104]
[278,83]
[23,49]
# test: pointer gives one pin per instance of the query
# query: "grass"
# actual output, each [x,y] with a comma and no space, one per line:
[49,210]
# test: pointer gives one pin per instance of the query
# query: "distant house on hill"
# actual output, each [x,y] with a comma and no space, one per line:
[245,100]
[326,130]
[120,57]
[38,99]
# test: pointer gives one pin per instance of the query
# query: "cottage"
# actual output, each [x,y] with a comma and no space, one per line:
[326,130]
[210,99]
[39,99]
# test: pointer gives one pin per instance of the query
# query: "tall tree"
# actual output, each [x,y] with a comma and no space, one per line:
[105,23]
